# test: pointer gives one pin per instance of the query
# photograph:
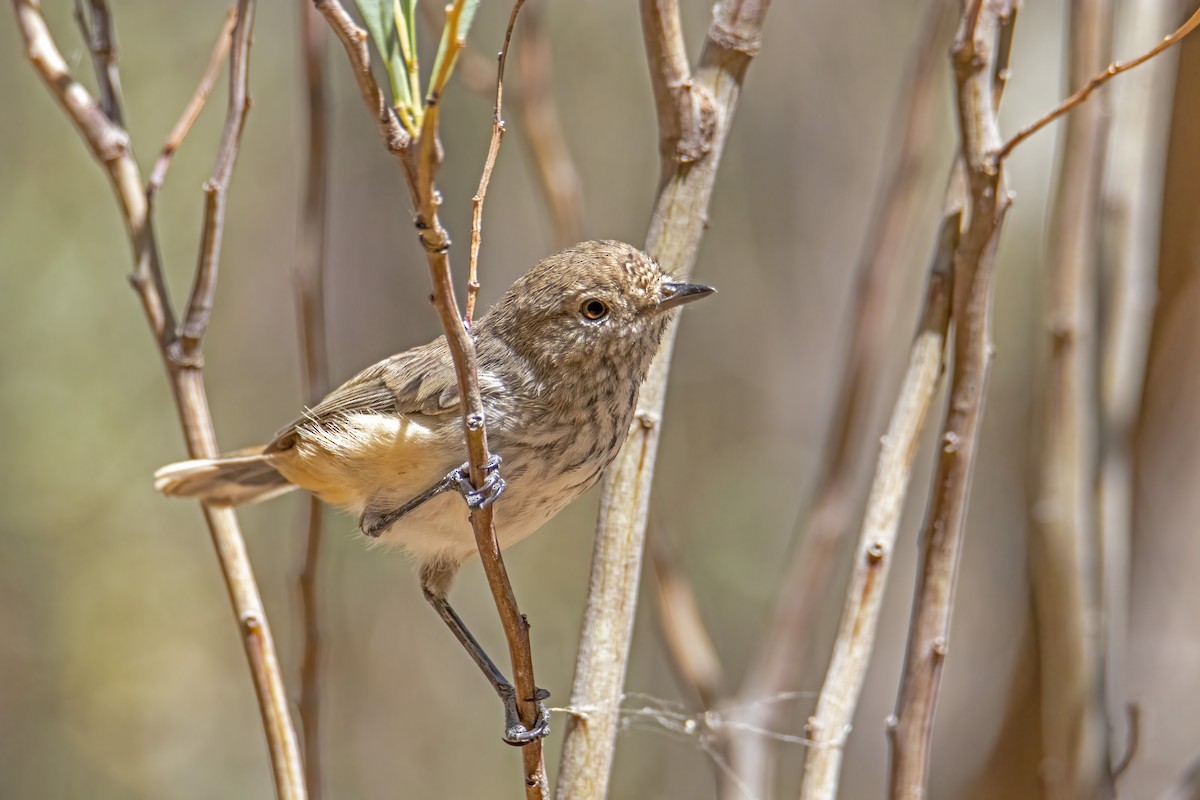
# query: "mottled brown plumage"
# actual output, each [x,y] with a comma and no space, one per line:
[559,389]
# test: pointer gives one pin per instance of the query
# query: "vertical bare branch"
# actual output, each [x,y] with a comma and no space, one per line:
[974,56]
[489,164]
[829,727]
[773,667]
[420,160]
[1133,205]
[109,144]
[1064,549]
[676,227]
[308,279]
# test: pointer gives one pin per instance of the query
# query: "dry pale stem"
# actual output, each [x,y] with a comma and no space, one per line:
[308,278]
[676,227]
[1133,202]
[829,727]
[774,669]
[420,160]
[109,144]
[1064,550]
[975,55]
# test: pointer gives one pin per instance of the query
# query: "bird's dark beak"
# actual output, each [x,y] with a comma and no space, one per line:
[676,294]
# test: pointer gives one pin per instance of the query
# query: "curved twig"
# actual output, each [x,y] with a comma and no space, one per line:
[1094,83]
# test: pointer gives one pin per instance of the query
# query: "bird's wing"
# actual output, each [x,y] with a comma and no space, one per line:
[418,381]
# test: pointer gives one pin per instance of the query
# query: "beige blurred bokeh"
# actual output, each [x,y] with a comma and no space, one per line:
[121,674]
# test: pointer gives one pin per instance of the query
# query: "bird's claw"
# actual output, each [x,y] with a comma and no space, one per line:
[515,732]
[491,489]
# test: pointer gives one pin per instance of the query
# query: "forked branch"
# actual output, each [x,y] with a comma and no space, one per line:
[975,57]
[109,145]
[828,728]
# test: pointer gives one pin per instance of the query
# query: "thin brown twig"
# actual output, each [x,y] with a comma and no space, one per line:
[195,105]
[829,726]
[540,127]
[308,279]
[109,145]
[420,161]
[101,39]
[773,667]
[216,189]
[489,164]
[1094,83]
[974,57]
[676,228]
[354,41]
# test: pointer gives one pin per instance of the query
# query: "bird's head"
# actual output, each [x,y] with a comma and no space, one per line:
[602,303]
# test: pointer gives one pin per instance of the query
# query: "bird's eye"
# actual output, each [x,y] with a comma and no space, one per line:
[593,309]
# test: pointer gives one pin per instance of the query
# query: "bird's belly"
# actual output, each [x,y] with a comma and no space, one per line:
[378,462]
[440,529]
[369,459]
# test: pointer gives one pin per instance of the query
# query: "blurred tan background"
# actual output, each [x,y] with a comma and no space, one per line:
[120,672]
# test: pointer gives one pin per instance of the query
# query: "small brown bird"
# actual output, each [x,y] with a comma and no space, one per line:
[561,358]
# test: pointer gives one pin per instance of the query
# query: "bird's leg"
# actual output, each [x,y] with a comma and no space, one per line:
[434,582]
[374,523]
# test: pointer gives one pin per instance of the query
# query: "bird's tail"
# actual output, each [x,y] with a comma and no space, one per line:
[242,476]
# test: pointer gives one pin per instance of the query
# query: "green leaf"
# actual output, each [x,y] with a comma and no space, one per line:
[406,28]
[381,22]
[466,13]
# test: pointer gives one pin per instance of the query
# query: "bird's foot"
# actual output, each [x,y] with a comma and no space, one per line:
[491,489]
[515,732]
[374,523]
